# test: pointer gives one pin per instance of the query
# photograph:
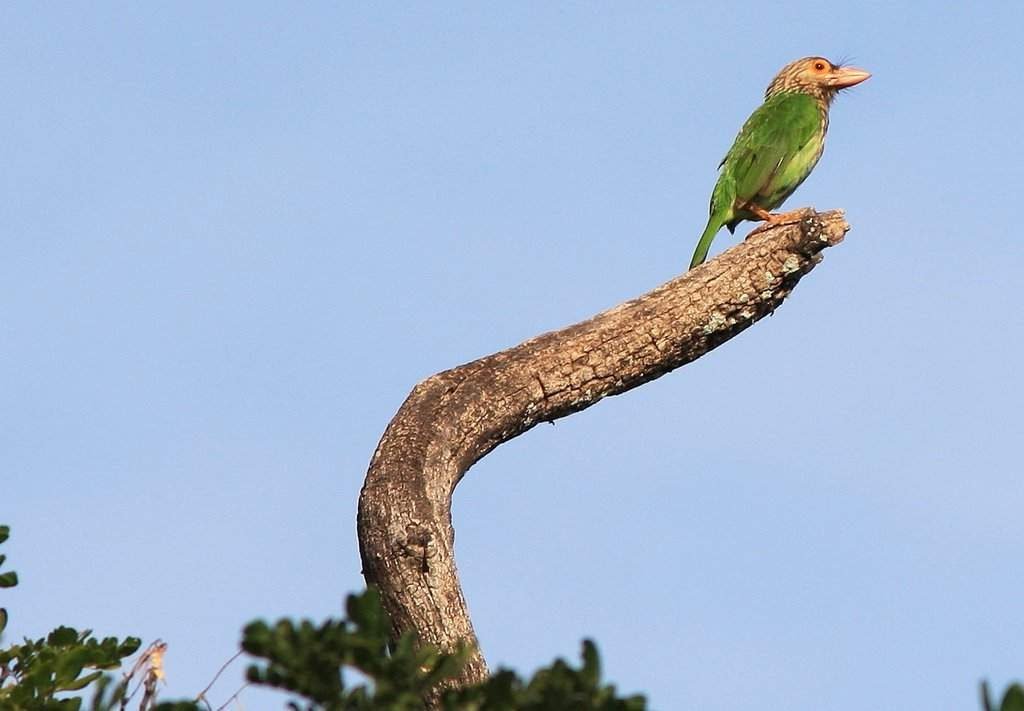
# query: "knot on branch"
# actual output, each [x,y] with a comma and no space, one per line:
[417,545]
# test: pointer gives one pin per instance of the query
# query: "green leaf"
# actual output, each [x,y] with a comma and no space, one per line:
[69,665]
[128,647]
[62,637]
[3,619]
[256,638]
[1013,699]
[591,671]
[5,533]
[8,580]
[81,683]
[368,614]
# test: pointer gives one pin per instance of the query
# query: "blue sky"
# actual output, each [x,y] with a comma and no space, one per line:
[235,235]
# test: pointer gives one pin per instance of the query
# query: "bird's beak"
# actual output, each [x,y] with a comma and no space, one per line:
[844,77]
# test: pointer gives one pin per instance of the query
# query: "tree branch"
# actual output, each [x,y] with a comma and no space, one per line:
[453,418]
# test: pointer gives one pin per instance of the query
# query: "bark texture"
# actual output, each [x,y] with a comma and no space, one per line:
[453,418]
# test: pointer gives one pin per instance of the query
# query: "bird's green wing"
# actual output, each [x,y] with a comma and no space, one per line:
[776,149]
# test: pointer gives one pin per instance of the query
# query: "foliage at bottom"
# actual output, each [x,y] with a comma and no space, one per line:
[344,664]
[313,661]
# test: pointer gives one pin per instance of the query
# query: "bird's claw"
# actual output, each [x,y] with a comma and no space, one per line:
[774,220]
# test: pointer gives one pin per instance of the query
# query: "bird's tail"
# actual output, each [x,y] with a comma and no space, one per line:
[701,253]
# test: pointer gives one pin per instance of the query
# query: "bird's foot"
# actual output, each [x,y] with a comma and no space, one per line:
[774,220]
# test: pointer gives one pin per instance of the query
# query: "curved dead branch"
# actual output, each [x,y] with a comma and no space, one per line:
[453,418]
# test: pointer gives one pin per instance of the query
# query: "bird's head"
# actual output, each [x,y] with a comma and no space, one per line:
[815,76]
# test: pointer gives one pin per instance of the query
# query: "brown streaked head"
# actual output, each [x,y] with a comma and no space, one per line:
[816,76]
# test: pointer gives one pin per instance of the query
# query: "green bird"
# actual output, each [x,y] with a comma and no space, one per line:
[778,146]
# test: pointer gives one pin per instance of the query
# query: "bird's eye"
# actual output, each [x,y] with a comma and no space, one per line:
[819,66]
